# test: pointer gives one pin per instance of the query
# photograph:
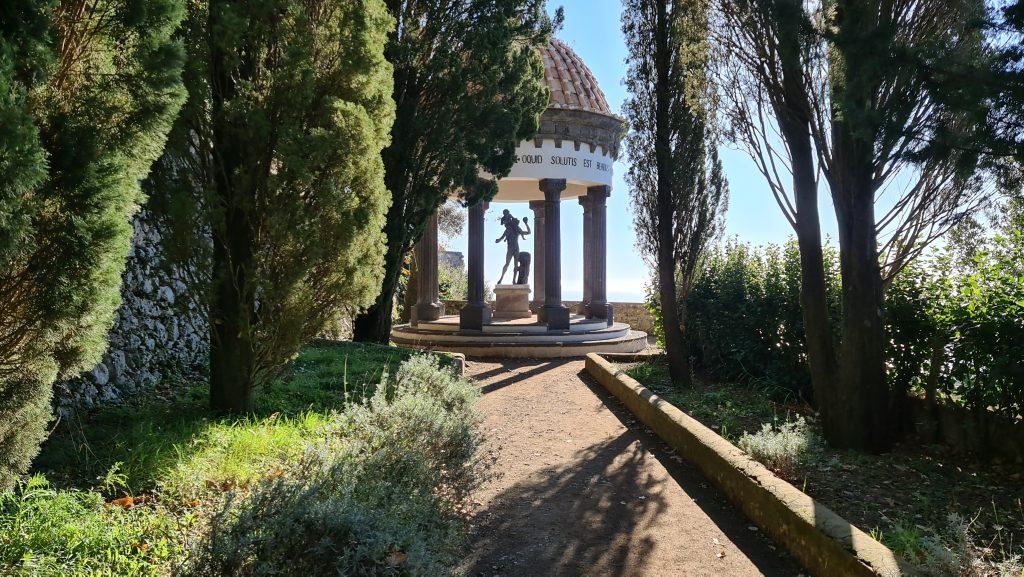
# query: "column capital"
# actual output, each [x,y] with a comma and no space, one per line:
[585,201]
[599,193]
[537,205]
[552,188]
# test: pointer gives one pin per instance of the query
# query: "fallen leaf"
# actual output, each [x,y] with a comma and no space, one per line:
[124,502]
[396,558]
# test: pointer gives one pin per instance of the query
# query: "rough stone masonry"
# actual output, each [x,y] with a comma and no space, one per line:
[158,332]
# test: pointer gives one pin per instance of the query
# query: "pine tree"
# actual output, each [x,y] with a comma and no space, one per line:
[469,87]
[276,158]
[676,183]
[88,92]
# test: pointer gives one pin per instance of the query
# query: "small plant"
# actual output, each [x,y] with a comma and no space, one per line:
[782,449]
[952,553]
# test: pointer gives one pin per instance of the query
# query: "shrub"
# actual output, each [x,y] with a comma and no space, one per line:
[88,99]
[953,323]
[745,318]
[381,495]
[782,449]
[452,282]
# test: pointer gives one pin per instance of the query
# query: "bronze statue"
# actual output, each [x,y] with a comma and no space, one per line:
[513,255]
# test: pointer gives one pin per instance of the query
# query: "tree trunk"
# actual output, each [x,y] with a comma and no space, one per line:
[374,325]
[232,311]
[861,392]
[675,340]
[232,317]
[821,359]
[675,349]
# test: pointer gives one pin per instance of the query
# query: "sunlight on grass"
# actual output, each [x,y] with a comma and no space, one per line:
[69,532]
[119,491]
[238,453]
[176,445]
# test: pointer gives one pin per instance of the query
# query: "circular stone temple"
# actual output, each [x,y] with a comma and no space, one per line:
[571,157]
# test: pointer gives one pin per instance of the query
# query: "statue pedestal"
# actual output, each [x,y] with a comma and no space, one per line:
[512,301]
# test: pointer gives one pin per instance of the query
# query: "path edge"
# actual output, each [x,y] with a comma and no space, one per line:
[825,544]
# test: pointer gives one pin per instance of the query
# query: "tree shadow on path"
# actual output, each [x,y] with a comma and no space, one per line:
[602,512]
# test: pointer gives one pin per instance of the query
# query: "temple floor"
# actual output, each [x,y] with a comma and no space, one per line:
[522,338]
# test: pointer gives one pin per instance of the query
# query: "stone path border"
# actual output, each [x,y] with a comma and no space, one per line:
[825,543]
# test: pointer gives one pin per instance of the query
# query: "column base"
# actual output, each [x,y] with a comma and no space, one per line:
[556,317]
[427,312]
[474,316]
[605,311]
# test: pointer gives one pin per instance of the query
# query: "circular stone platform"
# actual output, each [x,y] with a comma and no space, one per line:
[521,338]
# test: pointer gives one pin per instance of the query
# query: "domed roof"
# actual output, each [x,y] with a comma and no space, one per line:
[572,84]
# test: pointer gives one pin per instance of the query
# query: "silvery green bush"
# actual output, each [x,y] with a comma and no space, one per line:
[381,494]
[781,448]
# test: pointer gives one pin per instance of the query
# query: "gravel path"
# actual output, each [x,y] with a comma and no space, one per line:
[580,488]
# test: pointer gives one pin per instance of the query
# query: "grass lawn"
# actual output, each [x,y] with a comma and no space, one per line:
[122,489]
[904,498]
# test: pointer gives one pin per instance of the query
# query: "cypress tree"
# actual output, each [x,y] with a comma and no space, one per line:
[677,188]
[276,159]
[88,93]
[469,87]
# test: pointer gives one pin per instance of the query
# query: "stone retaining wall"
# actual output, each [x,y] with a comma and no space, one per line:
[825,543]
[157,332]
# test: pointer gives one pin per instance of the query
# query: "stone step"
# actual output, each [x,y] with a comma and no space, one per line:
[451,324]
[482,346]
[596,333]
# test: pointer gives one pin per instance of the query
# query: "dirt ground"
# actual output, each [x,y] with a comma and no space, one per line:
[579,487]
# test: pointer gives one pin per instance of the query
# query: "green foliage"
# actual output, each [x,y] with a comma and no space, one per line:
[176,446]
[781,448]
[379,496]
[745,318]
[469,84]
[677,189]
[50,532]
[88,99]
[355,444]
[974,314]
[953,320]
[277,156]
[452,282]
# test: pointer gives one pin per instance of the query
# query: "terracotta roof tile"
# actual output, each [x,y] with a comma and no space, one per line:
[571,83]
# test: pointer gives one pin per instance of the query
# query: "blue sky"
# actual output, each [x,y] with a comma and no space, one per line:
[593,29]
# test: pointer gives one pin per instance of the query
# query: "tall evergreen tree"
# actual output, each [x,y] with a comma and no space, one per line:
[88,92]
[860,94]
[675,177]
[277,158]
[469,87]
